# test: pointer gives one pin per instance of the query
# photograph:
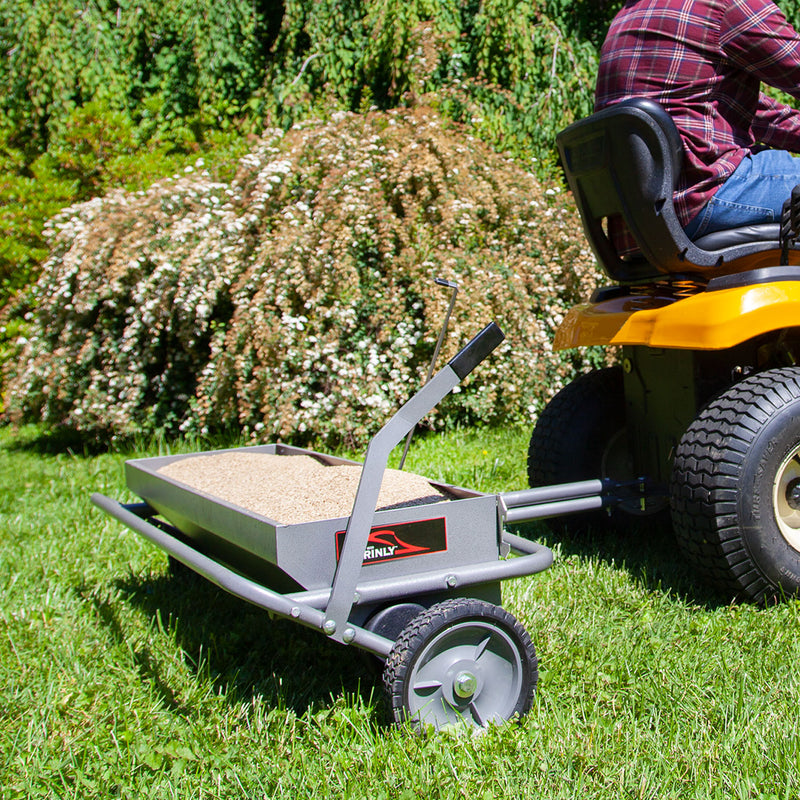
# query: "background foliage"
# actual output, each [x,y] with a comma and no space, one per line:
[297,300]
[96,94]
[102,95]
[99,96]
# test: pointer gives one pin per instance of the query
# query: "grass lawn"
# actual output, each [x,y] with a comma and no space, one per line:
[118,680]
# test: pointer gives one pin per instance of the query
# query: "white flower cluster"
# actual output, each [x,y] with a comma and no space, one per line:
[297,300]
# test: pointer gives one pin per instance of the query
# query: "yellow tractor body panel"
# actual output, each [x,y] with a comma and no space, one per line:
[713,320]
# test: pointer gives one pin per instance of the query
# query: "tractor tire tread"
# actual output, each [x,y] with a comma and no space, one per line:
[704,486]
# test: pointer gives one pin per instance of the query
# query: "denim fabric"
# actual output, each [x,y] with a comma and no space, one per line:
[755,193]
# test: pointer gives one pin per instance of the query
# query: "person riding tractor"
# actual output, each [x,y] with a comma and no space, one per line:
[684,178]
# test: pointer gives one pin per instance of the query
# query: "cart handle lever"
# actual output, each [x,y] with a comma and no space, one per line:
[476,350]
[410,413]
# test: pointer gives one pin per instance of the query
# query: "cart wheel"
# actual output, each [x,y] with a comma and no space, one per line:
[580,435]
[736,488]
[391,620]
[461,661]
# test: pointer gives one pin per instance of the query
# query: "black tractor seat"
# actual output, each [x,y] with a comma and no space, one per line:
[735,237]
[622,164]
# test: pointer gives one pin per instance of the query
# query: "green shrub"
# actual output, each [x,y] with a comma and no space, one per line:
[100,150]
[511,72]
[96,96]
[157,60]
[297,299]
[514,71]
[29,194]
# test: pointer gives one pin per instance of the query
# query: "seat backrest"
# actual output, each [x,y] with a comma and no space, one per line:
[622,163]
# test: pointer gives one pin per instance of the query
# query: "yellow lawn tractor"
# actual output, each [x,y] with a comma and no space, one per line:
[702,416]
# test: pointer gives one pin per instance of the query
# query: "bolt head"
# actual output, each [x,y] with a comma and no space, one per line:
[465,685]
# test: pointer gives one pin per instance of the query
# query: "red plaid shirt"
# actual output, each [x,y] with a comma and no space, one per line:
[703,61]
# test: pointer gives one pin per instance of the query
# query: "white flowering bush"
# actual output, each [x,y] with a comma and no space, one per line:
[297,302]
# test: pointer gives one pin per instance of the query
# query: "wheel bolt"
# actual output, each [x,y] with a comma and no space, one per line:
[465,685]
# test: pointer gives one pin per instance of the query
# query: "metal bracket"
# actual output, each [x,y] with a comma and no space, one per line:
[790,224]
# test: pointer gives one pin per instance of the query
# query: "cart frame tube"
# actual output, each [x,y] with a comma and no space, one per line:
[306,607]
[231,581]
[534,558]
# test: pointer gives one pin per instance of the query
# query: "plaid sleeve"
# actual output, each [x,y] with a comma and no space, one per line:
[755,35]
[776,124]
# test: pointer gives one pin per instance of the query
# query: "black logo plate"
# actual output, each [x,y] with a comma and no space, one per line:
[401,540]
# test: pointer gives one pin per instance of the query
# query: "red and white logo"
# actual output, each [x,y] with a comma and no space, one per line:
[403,540]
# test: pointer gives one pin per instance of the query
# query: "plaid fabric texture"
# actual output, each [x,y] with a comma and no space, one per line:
[704,61]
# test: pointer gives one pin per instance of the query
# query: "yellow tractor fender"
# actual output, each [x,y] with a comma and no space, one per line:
[683,319]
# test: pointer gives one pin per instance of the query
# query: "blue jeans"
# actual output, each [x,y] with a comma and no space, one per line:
[754,194]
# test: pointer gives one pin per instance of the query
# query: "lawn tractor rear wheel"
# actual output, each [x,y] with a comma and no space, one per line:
[581,435]
[463,662]
[736,488]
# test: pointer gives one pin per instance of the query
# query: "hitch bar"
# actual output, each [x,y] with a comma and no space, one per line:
[567,498]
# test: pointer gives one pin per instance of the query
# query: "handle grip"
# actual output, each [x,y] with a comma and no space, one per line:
[478,348]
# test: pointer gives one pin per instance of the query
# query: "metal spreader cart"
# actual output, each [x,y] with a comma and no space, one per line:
[416,585]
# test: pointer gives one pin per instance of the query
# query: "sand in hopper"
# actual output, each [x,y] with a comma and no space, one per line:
[293,489]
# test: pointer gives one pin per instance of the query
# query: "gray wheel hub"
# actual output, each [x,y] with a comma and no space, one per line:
[470,670]
[786,498]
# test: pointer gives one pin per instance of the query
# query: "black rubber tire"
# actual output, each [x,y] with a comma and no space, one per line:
[573,437]
[457,646]
[728,503]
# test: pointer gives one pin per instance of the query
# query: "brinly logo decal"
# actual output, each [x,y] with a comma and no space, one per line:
[403,540]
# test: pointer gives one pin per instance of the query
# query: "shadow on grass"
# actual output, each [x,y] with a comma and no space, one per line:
[647,550]
[40,440]
[243,651]
[62,440]
[238,648]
